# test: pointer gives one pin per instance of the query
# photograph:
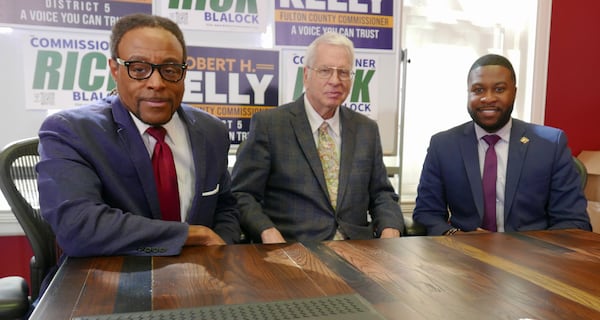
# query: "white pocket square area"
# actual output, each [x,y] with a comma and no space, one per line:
[211,192]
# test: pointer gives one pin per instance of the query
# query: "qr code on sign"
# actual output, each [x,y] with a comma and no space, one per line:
[180,17]
[44,98]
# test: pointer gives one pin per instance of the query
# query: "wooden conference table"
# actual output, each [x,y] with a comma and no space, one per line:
[530,275]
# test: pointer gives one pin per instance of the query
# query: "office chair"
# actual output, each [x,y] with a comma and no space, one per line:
[14,301]
[413,228]
[18,181]
[582,170]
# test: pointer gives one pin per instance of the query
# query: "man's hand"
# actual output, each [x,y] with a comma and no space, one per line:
[271,235]
[202,236]
[390,233]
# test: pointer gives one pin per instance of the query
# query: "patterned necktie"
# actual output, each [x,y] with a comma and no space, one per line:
[165,175]
[330,162]
[490,168]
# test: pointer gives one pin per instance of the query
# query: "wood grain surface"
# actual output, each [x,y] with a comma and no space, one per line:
[529,275]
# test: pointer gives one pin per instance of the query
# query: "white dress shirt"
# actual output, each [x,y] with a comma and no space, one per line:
[178,140]
[315,120]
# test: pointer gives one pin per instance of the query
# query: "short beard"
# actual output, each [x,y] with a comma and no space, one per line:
[496,126]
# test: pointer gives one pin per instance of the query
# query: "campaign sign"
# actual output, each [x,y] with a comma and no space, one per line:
[368,23]
[232,84]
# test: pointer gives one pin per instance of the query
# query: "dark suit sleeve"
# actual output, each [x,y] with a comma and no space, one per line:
[430,208]
[566,202]
[249,179]
[85,180]
[431,204]
[383,207]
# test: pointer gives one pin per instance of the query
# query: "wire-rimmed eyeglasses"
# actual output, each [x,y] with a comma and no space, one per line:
[327,72]
[141,70]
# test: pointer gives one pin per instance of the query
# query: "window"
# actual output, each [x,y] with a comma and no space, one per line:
[443,38]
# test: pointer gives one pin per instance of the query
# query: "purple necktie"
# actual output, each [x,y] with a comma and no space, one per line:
[165,175]
[490,168]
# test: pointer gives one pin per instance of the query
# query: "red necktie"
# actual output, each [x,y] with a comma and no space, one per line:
[490,168]
[165,175]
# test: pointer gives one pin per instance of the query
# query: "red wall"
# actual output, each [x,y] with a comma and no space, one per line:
[573,91]
[16,253]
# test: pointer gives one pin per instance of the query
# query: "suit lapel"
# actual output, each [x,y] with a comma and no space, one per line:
[134,147]
[304,136]
[198,144]
[468,148]
[517,150]
[348,131]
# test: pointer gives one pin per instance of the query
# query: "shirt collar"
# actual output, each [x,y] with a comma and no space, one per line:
[173,126]
[315,120]
[504,132]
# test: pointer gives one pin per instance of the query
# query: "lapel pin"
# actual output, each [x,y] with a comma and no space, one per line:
[524,140]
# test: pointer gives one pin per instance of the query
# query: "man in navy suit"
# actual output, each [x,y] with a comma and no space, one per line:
[279,179]
[537,185]
[96,181]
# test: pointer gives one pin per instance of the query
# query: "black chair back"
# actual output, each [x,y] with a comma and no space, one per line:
[18,181]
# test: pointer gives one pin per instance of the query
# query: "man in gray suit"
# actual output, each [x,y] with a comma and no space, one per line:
[279,179]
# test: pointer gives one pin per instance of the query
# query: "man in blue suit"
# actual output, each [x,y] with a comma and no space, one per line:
[537,185]
[96,179]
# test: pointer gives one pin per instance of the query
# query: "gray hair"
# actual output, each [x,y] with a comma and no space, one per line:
[332,38]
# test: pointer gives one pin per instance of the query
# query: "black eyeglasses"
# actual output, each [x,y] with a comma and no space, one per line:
[327,72]
[141,70]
